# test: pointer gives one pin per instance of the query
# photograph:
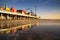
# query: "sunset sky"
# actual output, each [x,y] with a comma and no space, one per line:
[47,9]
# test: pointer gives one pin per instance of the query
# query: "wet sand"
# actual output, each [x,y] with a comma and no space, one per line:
[40,32]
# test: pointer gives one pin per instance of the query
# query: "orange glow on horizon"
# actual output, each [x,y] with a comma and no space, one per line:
[50,16]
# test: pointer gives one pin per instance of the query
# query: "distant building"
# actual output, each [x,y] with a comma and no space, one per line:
[29,13]
[22,11]
[33,14]
[1,8]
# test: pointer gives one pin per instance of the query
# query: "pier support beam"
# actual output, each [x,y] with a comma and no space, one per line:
[1,17]
[8,17]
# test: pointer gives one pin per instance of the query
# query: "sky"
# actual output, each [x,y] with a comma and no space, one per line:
[46,9]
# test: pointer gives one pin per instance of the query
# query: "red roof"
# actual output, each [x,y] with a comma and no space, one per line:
[13,9]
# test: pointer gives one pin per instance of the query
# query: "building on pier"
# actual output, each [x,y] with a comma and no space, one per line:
[22,11]
[13,9]
[13,14]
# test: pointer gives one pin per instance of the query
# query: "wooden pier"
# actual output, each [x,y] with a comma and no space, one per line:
[10,20]
[15,16]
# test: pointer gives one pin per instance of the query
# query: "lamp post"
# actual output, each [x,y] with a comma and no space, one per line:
[35,10]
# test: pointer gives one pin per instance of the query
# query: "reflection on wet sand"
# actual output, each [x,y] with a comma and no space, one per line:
[32,32]
[11,33]
[7,27]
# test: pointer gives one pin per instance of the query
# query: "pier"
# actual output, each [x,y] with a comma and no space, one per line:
[10,20]
[15,16]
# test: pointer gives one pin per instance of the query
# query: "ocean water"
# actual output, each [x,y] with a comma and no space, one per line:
[46,30]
